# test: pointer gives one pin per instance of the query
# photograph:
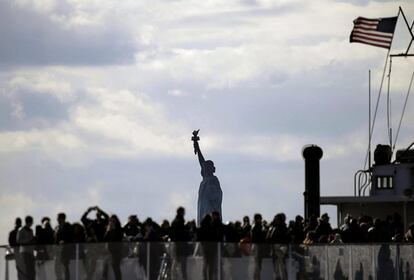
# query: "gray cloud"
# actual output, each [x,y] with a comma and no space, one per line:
[32,38]
[264,107]
[29,110]
[240,16]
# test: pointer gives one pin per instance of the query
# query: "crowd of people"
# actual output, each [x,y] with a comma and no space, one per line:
[105,228]
[108,229]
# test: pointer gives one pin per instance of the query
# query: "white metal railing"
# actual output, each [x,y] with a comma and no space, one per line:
[218,261]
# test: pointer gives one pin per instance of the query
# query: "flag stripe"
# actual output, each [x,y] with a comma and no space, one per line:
[372,33]
[367,27]
[371,43]
[367,19]
[372,39]
[367,24]
[376,32]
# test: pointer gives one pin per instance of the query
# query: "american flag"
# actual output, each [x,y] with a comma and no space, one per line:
[375,32]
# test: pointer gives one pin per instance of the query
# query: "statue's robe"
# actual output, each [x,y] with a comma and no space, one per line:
[210,197]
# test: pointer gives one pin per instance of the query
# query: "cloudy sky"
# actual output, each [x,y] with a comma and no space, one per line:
[98,100]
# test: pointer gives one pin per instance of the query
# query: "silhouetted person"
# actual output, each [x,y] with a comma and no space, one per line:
[396,226]
[345,230]
[218,227]
[378,232]
[98,225]
[152,237]
[218,238]
[296,230]
[45,235]
[238,230]
[207,236]
[64,238]
[114,236]
[354,232]
[364,227]
[311,224]
[132,229]
[246,227]
[79,234]
[180,236]
[165,230]
[210,194]
[13,233]
[278,231]
[278,236]
[95,231]
[13,244]
[232,236]
[245,239]
[94,252]
[192,230]
[323,229]
[260,249]
[230,233]
[26,240]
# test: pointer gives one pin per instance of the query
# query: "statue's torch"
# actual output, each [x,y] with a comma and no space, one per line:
[195,139]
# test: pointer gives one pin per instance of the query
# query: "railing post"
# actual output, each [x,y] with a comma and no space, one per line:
[148,260]
[351,273]
[397,261]
[77,262]
[374,263]
[326,263]
[219,260]
[290,268]
[6,270]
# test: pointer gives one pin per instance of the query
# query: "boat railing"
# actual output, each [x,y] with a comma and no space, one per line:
[162,261]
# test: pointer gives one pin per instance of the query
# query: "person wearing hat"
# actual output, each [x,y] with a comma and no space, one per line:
[324,228]
[210,194]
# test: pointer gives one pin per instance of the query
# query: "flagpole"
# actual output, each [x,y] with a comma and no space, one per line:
[372,126]
[377,105]
[389,104]
[389,128]
[369,119]
[379,93]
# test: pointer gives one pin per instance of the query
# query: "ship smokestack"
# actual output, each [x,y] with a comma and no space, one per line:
[312,154]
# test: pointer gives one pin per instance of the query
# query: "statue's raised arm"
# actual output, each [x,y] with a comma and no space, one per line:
[197,150]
